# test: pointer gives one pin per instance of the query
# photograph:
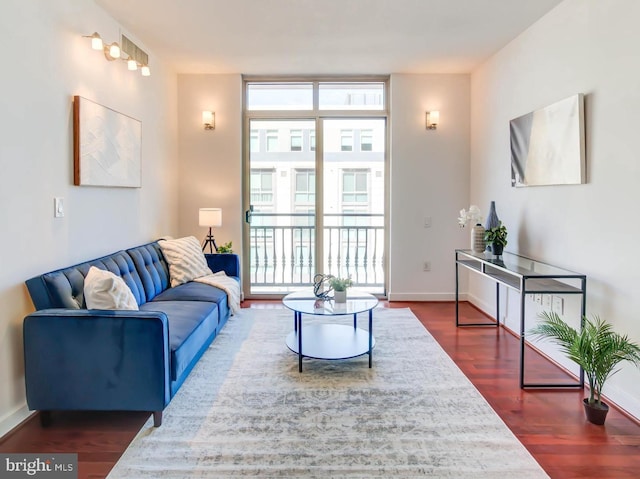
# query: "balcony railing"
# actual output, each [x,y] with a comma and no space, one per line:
[283,250]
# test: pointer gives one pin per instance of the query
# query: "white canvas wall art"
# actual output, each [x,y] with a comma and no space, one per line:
[547,145]
[107,146]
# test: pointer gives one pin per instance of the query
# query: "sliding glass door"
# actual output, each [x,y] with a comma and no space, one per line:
[315,162]
[354,200]
[282,211]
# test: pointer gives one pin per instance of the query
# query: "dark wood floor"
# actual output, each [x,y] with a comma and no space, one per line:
[550,423]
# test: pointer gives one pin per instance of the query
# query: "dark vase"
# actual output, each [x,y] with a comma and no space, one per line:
[492,217]
[595,414]
[497,249]
[492,222]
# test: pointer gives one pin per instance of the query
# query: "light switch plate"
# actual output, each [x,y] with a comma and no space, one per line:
[58,207]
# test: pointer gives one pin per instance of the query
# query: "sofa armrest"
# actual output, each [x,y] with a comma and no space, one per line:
[227,262]
[97,360]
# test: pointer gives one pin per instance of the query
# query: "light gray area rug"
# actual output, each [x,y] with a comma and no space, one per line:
[246,411]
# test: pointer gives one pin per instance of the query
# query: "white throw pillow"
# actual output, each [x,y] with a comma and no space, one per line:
[105,290]
[185,258]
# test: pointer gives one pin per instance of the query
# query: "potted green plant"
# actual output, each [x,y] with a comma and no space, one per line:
[596,348]
[225,248]
[497,238]
[340,286]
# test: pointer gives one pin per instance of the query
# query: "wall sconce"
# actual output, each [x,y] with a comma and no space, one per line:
[132,65]
[209,120]
[433,118]
[112,51]
[96,40]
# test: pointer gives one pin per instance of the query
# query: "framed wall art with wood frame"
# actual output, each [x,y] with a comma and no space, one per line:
[106,146]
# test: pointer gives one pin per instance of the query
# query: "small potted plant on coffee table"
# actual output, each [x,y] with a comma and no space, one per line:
[340,286]
[596,348]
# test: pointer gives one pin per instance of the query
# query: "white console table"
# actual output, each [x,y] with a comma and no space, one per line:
[525,276]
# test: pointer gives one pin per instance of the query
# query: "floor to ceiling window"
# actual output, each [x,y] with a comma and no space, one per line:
[315,188]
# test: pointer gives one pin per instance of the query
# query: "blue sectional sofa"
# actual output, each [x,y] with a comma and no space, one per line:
[80,359]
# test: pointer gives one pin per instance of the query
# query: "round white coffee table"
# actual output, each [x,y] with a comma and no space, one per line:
[327,340]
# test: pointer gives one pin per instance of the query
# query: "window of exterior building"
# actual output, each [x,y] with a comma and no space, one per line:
[366,140]
[346,140]
[312,140]
[262,187]
[355,186]
[254,142]
[305,192]
[296,140]
[272,140]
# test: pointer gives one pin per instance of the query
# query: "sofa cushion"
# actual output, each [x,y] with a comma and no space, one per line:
[105,290]
[185,258]
[192,292]
[198,292]
[190,324]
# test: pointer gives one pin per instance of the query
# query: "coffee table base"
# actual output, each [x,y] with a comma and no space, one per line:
[331,341]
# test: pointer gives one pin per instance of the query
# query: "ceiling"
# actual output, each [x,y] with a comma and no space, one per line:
[305,37]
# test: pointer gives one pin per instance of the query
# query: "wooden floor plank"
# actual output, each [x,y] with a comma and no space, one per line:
[550,423]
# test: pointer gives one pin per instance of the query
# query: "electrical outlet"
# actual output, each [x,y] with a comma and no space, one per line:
[546,301]
[427,221]
[426,266]
[538,299]
[558,305]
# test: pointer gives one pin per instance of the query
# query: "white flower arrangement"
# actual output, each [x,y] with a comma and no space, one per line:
[474,215]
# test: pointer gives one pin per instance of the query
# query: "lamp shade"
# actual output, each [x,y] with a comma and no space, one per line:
[114,50]
[210,217]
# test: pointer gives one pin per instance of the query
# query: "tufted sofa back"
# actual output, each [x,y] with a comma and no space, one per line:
[152,269]
[143,269]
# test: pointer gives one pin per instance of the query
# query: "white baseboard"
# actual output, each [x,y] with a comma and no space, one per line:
[483,306]
[424,296]
[13,419]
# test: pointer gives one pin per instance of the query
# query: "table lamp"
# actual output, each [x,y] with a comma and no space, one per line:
[210,217]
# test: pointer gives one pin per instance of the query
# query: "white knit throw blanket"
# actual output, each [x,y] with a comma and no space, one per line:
[226,284]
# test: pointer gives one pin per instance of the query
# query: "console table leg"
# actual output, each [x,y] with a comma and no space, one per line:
[457,321]
[497,304]
[522,341]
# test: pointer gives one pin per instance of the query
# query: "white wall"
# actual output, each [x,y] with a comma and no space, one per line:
[47,62]
[429,178]
[586,46]
[429,172]
[211,160]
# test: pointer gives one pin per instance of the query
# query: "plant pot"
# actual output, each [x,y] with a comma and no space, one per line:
[340,296]
[497,249]
[595,414]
